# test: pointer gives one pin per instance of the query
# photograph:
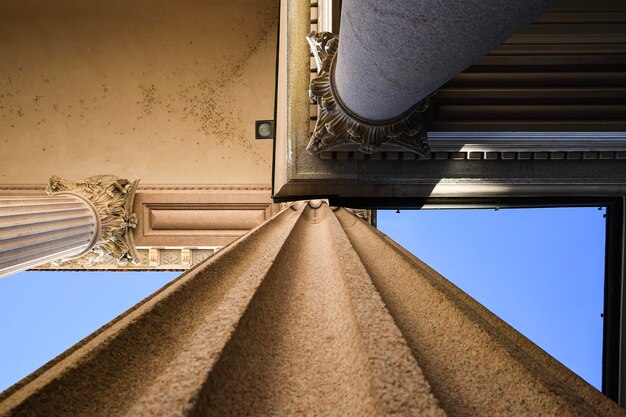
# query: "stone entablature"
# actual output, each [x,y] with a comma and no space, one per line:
[475,146]
[174,226]
[149,259]
[536,147]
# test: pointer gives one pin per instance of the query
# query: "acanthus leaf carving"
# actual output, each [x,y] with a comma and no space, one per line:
[112,199]
[336,125]
[360,213]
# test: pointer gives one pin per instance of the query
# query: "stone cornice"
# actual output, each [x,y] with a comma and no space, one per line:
[155,187]
[337,125]
[204,187]
[112,199]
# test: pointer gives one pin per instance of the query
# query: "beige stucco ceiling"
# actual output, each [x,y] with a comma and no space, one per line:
[164,90]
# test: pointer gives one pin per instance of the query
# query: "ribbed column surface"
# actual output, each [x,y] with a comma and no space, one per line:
[313,313]
[36,230]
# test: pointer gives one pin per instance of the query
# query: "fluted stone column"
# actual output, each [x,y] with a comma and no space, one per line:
[91,216]
[36,230]
[392,55]
[313,313]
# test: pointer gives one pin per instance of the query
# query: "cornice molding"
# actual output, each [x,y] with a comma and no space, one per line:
[170,244]
[23,187]
[476,146]
[528,141]
[337,126]
[156,187]
[204,187]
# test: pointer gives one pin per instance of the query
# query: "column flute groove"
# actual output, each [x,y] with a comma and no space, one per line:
[34,231]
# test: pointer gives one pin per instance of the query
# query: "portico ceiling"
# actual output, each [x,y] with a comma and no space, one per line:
[167,91]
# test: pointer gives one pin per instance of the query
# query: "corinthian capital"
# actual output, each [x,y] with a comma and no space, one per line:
[112,199]
[337,125]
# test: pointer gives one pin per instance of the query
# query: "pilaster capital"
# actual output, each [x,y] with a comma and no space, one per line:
[112,198]
[337,125]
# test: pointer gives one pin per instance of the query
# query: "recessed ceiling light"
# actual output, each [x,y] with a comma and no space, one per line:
[264,129]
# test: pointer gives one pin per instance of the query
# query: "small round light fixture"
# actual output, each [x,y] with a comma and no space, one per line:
[264,129]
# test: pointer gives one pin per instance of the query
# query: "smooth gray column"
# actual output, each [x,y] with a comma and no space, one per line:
[393,53]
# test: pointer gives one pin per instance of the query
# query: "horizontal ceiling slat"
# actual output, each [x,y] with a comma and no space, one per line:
[564,72]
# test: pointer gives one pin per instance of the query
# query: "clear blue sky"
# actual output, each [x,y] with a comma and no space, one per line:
[540,270]
[44,313]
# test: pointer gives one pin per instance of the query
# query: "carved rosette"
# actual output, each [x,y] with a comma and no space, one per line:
[112,199]
[337,125]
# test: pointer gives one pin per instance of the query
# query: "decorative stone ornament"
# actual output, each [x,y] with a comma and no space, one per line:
[360,213]
[112,198]
[337,126]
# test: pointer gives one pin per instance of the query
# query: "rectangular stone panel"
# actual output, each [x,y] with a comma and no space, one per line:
[204,219]
[199,215]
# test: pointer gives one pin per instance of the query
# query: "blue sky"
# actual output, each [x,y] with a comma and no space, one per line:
[541,270]
[44,313]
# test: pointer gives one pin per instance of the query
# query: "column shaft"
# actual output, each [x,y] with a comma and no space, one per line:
[36,230]
[312,313]
[394,53]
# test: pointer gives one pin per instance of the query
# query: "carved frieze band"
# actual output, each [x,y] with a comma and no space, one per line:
[112,198]
[477,146]
[337,126]
[178,259]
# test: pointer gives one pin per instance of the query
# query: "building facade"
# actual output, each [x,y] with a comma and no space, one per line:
[290,304]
